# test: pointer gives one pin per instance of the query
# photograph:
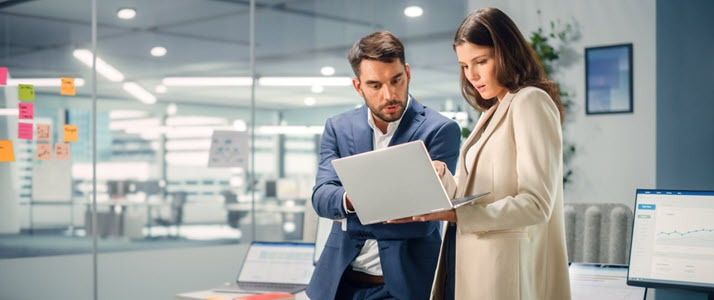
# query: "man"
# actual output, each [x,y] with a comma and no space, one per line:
[378,261]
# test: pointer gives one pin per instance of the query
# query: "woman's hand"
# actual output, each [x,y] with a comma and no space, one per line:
[447,215]
[440,167]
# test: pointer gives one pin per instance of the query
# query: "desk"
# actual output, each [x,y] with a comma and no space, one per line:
[118,208]
[210,294]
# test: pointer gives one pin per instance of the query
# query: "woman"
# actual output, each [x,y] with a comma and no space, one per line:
[511,243]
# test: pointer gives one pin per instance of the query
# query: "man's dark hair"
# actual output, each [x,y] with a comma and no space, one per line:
[380,46]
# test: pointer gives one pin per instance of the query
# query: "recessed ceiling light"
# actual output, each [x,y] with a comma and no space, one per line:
[161,89]
[310,101]
[171,109]
[158,51]
[126,13]
[413,11]
[327,71]
[317,89]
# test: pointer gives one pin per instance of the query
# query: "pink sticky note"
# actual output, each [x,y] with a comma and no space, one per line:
[27,110]
[24,131]
[3,76]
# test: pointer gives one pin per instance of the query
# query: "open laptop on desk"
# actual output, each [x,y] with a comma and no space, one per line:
[274,267]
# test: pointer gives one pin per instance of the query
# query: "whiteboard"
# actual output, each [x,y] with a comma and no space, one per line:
[52,180]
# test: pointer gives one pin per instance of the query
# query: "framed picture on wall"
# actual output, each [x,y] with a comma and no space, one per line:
[608,79]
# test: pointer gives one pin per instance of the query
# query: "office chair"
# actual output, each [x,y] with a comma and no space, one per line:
[178,199]
[232,217]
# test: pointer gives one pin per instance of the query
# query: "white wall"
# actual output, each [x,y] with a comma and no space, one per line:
[156,274]
[615,154]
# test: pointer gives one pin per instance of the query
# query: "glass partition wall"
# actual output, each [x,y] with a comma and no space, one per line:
[190,151]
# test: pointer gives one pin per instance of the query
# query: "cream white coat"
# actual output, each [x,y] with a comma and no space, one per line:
[511,243]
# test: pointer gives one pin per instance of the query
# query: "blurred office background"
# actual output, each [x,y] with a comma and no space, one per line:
[168,223]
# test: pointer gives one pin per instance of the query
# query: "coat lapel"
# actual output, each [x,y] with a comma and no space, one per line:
[497,113]
[362,133]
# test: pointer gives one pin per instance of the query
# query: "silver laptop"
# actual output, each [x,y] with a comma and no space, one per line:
[274,267]
[395,182]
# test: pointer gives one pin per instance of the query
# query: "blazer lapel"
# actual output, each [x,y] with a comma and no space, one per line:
[362,133]
[498,112]
[412,119]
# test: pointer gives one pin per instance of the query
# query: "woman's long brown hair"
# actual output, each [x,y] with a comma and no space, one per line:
[517,65]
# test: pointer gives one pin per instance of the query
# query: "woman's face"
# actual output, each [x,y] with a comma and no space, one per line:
[479,66]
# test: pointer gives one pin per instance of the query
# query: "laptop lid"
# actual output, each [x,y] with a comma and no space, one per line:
[395,182]
[277,263]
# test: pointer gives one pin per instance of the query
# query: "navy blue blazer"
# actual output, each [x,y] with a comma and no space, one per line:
[408,252]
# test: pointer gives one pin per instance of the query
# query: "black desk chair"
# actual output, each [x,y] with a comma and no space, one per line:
[178,199]
[232,217]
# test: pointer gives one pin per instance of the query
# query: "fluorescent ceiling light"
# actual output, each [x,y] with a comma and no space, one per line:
[317,89]
[103,68]
[195,120]
[158,51]
[9,112]
[304,81]
[327,71]
[127,114]
[139,92]
[126,13]
[310,101]
[207,81]
[42,81]
[161,89]
[413,11]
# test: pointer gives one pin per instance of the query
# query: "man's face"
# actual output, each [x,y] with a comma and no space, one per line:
[384,87]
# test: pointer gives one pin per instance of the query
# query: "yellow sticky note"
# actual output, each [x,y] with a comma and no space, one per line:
[62,151]
[43,132]
[70,133]
[26,92]
[6,153]
[44,151]
[67,88]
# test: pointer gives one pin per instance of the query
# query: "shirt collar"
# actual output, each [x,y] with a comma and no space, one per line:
[392,126]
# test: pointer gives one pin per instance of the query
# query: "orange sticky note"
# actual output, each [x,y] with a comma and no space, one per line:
[44,132]
[3,76]
[62,151]
[44,151]
[70,133]
[25,92]
[67,87]
[24,131]
[6,153]
[27,110]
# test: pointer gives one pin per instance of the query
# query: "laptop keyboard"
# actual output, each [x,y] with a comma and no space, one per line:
[273,287]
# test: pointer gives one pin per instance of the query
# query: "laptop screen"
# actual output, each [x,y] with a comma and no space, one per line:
[673,239]
[278,262]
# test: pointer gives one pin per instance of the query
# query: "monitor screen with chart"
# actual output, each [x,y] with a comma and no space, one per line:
[673,240]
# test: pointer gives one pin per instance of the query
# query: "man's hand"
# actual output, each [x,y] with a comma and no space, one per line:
[440,167]
[348,203]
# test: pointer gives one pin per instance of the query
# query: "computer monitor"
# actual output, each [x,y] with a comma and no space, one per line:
[270,189]
[673,240]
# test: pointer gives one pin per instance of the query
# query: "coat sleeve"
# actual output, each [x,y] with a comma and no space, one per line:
[328,190]
[538,143]
[443,146]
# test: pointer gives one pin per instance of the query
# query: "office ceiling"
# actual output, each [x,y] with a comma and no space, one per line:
[211,38]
